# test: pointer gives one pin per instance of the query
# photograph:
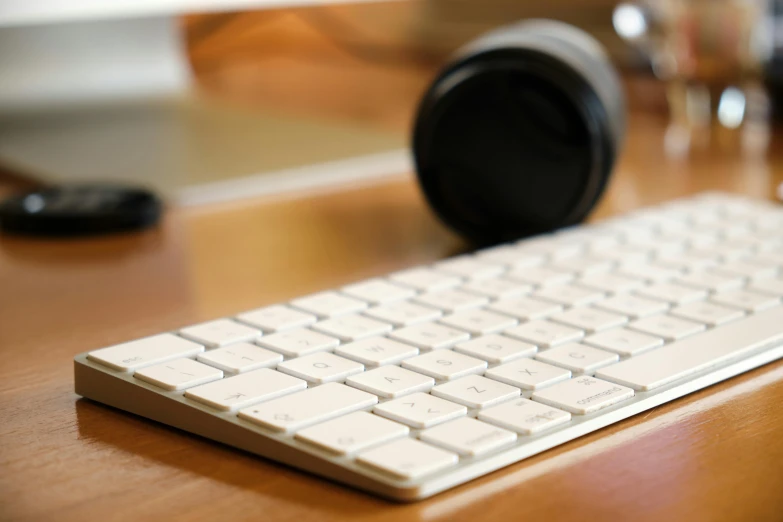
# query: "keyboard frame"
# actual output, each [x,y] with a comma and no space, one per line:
[121,390]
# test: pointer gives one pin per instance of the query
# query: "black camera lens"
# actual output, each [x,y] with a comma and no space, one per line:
[519,134]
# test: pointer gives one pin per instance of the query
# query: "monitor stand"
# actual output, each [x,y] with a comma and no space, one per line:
[111,100]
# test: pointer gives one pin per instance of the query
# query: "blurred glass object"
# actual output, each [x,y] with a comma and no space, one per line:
[711,54]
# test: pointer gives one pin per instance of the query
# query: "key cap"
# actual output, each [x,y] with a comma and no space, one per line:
[445,365]
[528,374]
[329,304]
[579,358]
[391,381]
[568,295]
[240,391]
[583,395]
[589,319]
[497,288]
[220,332]
[525,309]
[277,318]
[624,254]
[430,336]
[544,333]
[425,280]
[610,283]
[672,293]
[240,357]
[378,291]
[710,282]
[649,272]
[320,367]
[689,261]
[178,374]
[524,416]
[408,459]
[624,342]
[420,410]
[377,351]
[684,358]
[352,433]
[468,437]
[583,265]
[510,257]
[550,246]
[296,343]
[404,313]
[475,391]
[633,306]
[707,313]
[539,276]
[743,269]
[469,268]
[305,408]
[668,327]
[495,349]
[772,287]
[145,352]
[479,322]
[746,300]
[352,327]
[452,300]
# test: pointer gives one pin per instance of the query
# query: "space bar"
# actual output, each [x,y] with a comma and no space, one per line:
[683,358]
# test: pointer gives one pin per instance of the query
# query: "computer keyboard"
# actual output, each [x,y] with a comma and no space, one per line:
[411,384]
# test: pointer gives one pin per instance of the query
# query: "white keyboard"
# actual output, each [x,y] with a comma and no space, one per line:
[411,384]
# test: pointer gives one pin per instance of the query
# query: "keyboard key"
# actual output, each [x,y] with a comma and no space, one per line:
[298,342]
[540,276]
[578,358]
[377,351]
[391,381]
[528,374]
[408,458]
[554,248]
[352,327]
[221,332]
[329,304]
[240,358]
[510,256]
[710,282]
[525,309]
[240,391]
[633,306]
[497,288]
[305,408]
[320,367]
[353,432]
[452,300]
[404,313]
[708,313]
[475,391]
[767,286]
[668,327]
[743,269]
[568,295]
[624,342]
[468,437]
[430,336]
[277,318]
[378,291]
[672,293]
[610,283]
[145,352]
[524,416]
[544,333]
[469,268]
[684,358]
[425,280]
[583,395]
[649,272]
[420,410]
[445,365]
[178,374]
[746,300]
[495,349]
[624,254]
[589,319]
[583,265]
[479,322]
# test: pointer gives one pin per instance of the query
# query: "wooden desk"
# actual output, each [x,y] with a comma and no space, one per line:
[715,455]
